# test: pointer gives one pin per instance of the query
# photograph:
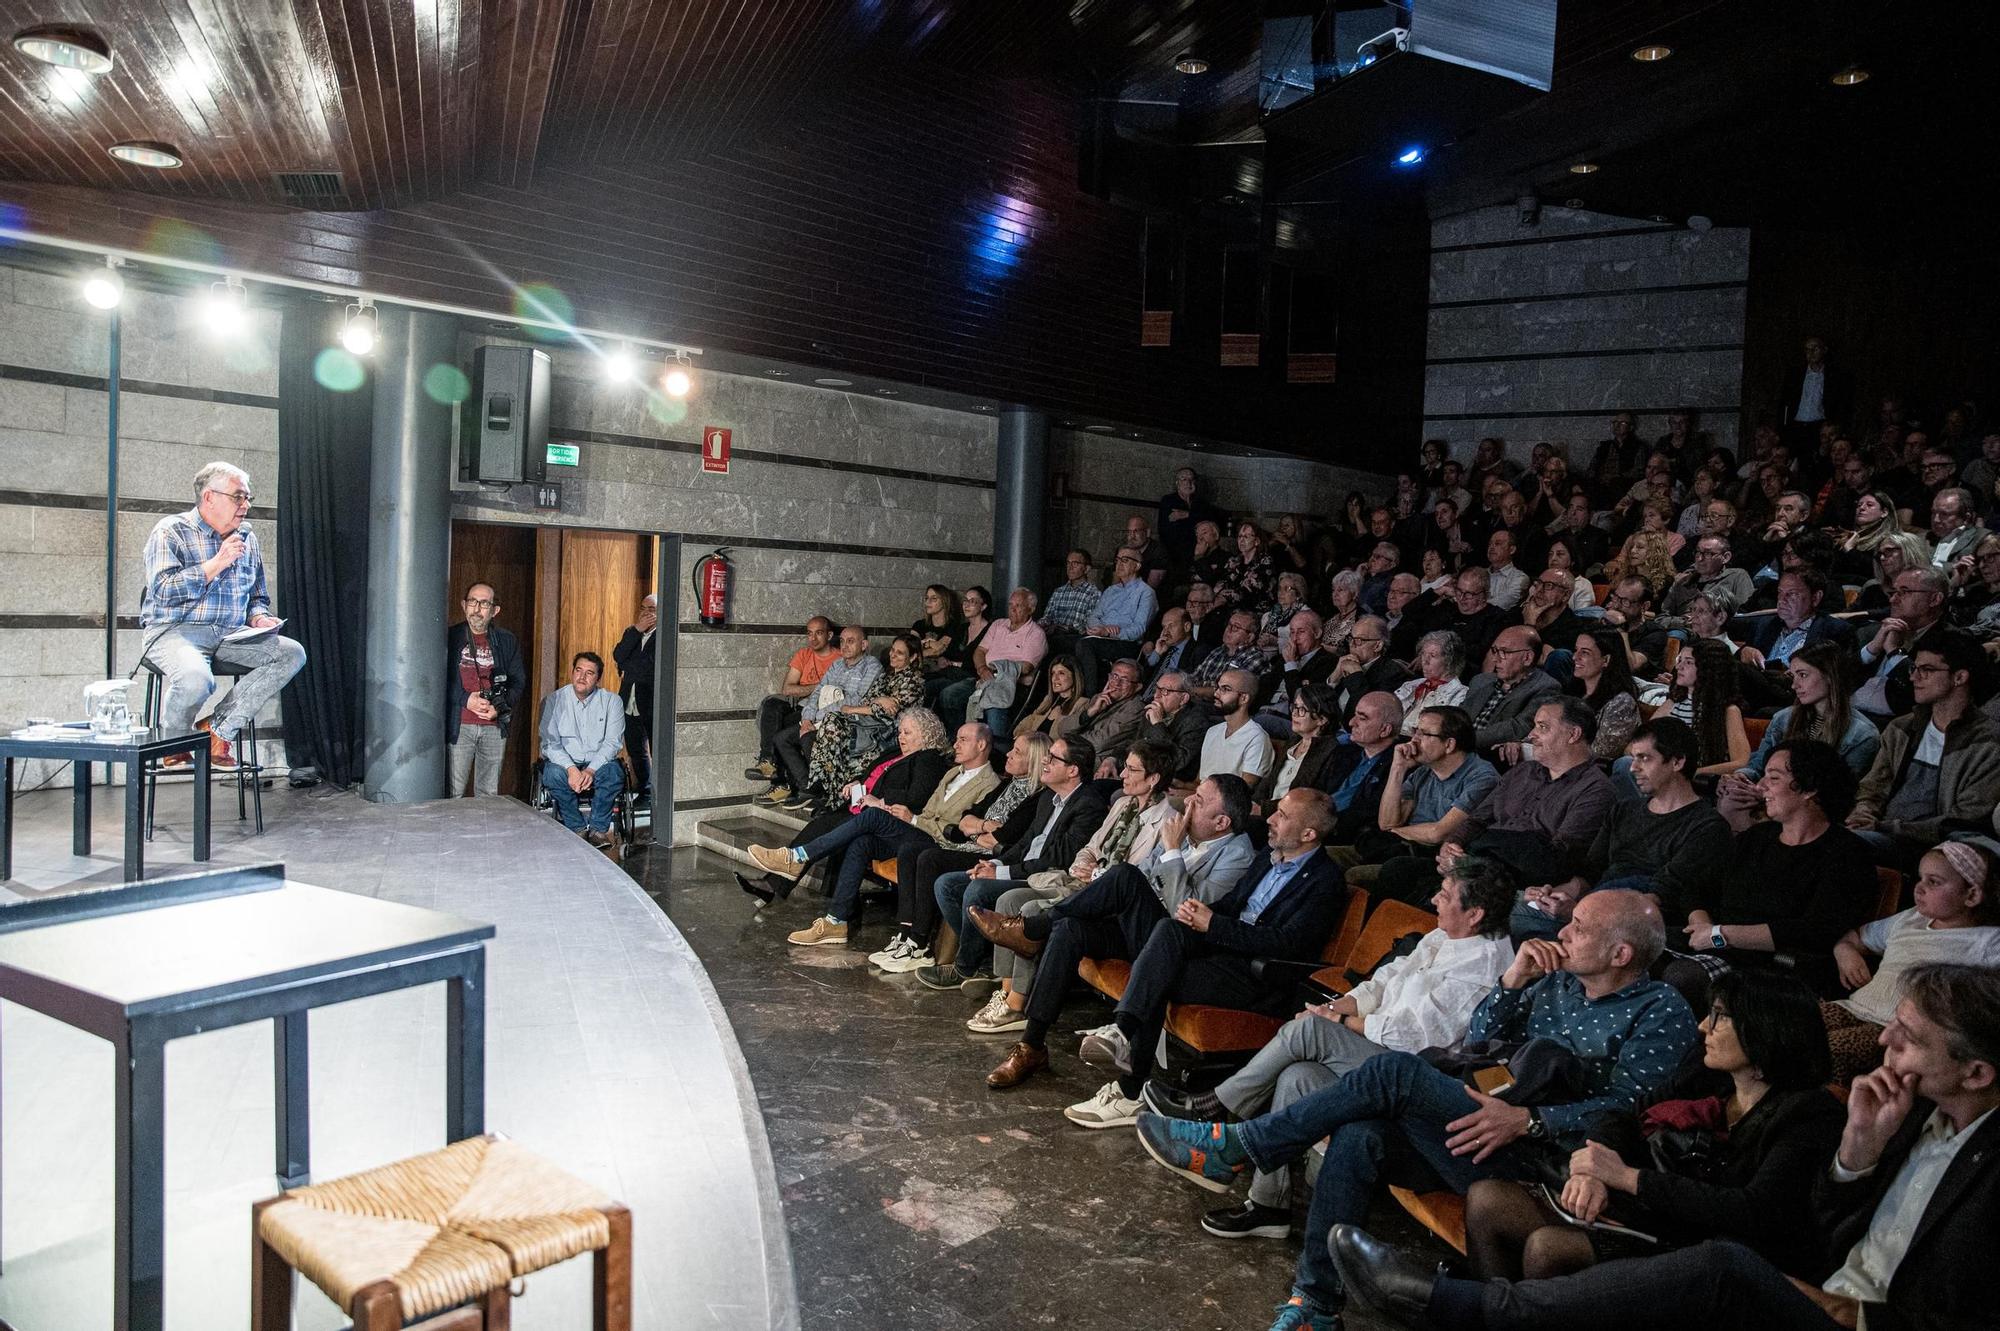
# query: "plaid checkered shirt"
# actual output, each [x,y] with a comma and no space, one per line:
[178,592]
[1071,606]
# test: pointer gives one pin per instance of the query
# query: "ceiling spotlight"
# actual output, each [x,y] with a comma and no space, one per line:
[678,381]
[358,333]
[621,366]
[1410,156]
[1100,429]
[145,152]
[226,307]
[885,392]
[779,374]
[1572,203]
[1651,53]
[1850,76]
[834,383]
[65,48]
[1190,63]
[1583,168]
[105,288]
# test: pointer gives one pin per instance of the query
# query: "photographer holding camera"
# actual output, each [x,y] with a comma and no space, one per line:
[487,678]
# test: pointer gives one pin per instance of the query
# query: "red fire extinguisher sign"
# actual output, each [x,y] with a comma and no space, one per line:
[714,449]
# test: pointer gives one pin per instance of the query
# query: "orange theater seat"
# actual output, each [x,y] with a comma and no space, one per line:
[1891,899]
[1602,590]
[1390,921]
[1754,728]
[1108,976]
[1442,1213]
[1222,1030]
[884,869]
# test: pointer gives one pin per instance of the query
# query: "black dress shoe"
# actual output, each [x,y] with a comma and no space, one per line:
[1384,1280]
[1248,1221]
[1194,1106]
[765,896]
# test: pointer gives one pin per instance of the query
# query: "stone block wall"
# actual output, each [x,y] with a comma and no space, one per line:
[834,504]
[1540,333]
[186,398]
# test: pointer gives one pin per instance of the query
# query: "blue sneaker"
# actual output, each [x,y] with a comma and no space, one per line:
[1208,1153]
[1297,1315]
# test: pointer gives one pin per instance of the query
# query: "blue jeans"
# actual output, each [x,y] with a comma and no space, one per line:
[606,782]
[1387,1119]
[956,892]
[868,836]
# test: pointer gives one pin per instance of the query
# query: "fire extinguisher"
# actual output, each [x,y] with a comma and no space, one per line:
[711,586]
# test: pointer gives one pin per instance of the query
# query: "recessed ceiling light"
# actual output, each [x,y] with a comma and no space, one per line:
[779,374]
[1101,429]
[1572,203]
[885,392]
[146,153]
[1191,63]
[1850,76]
[65,48]
[1583,168]
[834,383]
[1651,53]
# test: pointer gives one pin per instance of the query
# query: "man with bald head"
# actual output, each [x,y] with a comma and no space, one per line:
[1502,699]
[1366,668]
[1236,744]
[1586,990]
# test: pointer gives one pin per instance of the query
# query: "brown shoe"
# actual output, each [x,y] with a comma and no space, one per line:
[221,753]
[177,760]
[1008,931]
[1022,1061]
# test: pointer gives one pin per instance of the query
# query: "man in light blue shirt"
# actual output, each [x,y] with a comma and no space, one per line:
[845,683]
[1114,630]
[582,729]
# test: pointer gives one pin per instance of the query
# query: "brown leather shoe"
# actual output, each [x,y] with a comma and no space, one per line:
[221,752]
[1008,931]
[1022,1061]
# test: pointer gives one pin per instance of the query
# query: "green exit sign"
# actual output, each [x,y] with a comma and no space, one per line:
[564,455]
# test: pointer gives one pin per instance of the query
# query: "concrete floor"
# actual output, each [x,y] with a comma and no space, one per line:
[607,1050]
[915,1198]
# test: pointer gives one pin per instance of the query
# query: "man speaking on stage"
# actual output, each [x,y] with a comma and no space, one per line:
[205,601]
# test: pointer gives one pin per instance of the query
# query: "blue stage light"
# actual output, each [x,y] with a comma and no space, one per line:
[1410,156]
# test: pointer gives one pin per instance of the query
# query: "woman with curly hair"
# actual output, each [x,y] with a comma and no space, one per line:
[851,739]
[1705,695]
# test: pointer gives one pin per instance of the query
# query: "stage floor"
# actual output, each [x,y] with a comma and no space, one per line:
[607,1051]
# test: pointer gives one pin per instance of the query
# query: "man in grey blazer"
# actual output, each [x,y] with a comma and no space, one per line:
[1204,851]
[1502,701]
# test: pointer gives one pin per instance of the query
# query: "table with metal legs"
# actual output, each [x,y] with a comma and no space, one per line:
[146,963]
[145,746]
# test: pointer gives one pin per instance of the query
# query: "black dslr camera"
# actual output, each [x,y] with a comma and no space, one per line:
[497,696]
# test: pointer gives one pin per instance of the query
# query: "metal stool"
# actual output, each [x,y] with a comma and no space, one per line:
[248,769]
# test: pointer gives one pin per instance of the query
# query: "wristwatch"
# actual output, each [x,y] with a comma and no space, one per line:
[1537,1130]
[1715,938]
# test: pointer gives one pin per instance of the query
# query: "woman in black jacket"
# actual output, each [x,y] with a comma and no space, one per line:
[1737,1166]
[907,779]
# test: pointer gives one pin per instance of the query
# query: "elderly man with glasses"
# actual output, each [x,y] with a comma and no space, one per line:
[205,593]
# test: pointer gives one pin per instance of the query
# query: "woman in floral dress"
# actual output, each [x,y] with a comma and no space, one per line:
[834,760]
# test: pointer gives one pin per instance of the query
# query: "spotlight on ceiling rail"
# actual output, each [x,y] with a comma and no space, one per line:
[362,328]
[226,307]
[104,288]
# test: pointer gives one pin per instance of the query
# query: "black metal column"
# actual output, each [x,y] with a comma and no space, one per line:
[409,553]
[1021,476]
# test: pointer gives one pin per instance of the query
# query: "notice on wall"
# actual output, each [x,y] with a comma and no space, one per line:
[714,449]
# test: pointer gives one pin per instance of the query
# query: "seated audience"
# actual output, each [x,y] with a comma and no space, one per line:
[879,810]
[1955,529]
[850,738]
[1301,661]
[1416,1001]
[1916,605]
[1291,598]
[1249,579]
[1938,769]
[1007,650]
[582,729]
[1193,852]
[780,711]
[1434,782]
[1235,743]
[1367,668]
[1823,710]
[1649,552]
[1070,606]
[1666,844]
[1237,652]
[1974,604]
[1174,718]
[1411,607]
[1173,651]
[1713,574]
[939,631]
[1506,584]
[1601,672]
[1540,819]
[1198,953]
[1344,609]
[1440,660]
[1112,631]
[1547,610]
[1210,558]
[1688,1169]
[1799,623]
[1377,572]
[953,663]
[1475,620]
[1398,1118]
[1307,757]
[847,681]
[1907,1206]
[1796,882]
[1628,608]
[1955,919]
[1503,699]
[1061,698]
[1154,561]
[1110,720]
[1874,521]
[1704,696]
[997,820]
[1563,558]
[1044,834]
[1903,550]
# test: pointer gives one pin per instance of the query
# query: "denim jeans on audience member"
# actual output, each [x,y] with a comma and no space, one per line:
[956,892]
[1557,666]
[1387,1121]
[1623,788]
[606,782]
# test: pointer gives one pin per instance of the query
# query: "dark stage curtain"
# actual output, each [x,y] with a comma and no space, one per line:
[323,466]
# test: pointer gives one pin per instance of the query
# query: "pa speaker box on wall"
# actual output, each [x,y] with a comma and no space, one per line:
[506,423]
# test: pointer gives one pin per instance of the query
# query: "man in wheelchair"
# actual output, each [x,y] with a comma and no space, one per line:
[582,730]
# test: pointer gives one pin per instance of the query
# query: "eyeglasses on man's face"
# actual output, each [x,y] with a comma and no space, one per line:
[240,498]
[479,603]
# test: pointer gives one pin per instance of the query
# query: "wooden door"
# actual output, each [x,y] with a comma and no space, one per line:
[605,574]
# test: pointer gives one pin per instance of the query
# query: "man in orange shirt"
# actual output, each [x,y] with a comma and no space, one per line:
[780,710]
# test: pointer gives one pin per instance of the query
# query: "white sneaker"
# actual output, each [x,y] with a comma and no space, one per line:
[915,959]
[899,946]
[996,1018]
[1103,1032]
[1107,1109]
[1106,1047]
